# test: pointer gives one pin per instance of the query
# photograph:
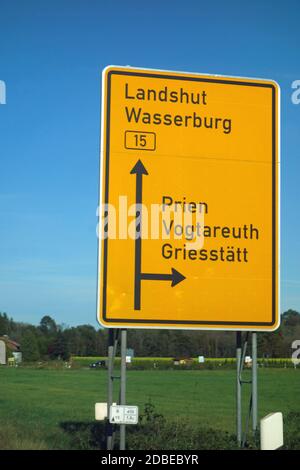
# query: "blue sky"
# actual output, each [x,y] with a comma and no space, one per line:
[51,57]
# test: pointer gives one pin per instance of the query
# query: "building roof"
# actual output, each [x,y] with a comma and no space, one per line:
[13,345]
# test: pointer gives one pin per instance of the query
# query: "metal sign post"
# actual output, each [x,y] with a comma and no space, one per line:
[123,386]
[112,348]
[238,388]
[113,340]
[254,383]
[241,349]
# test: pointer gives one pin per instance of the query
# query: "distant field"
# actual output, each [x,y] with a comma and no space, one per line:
[168,362]
[33,402]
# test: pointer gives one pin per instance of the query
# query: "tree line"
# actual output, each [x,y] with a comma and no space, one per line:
[48,340]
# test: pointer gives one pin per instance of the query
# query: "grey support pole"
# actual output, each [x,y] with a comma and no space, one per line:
[123,386]
[254,382]
[110,370]
[238,388]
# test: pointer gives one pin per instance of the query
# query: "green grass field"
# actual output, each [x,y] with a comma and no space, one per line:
[34,402]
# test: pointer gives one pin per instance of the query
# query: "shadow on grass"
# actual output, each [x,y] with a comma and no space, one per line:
[157,435]
[85,435]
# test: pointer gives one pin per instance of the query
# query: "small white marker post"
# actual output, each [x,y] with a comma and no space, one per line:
[271,431]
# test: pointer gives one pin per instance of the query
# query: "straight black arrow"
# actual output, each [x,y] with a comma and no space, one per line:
[175,277]
[139,170]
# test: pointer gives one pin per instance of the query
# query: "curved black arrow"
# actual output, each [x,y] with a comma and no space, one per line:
[139,170]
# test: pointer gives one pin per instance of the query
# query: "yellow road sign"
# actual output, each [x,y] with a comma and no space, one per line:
[189,192]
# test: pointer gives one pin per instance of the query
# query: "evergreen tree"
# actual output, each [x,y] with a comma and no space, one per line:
[30,347]
[59,348]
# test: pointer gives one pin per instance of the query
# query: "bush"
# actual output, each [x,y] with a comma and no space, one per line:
[85,435]
[153,432]
[291,431]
